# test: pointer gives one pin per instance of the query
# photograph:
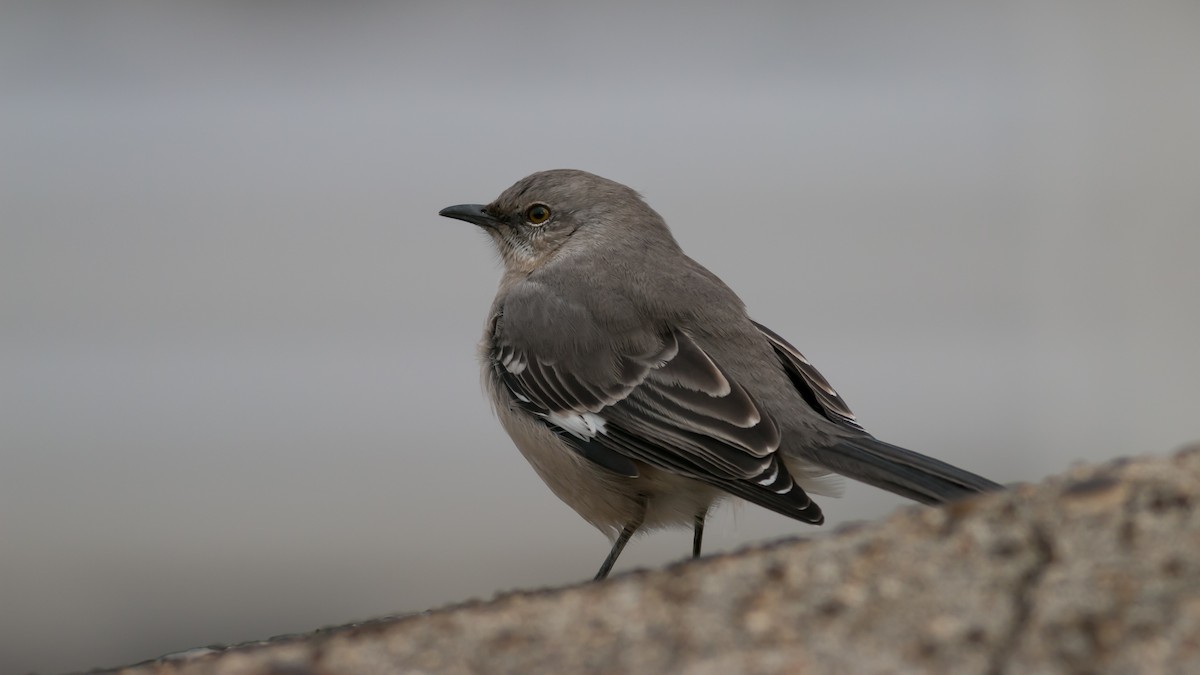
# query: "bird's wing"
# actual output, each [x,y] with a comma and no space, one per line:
[649,394]
[862,457]
[807,380]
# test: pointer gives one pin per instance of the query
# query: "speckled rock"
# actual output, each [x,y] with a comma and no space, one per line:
[1097,571]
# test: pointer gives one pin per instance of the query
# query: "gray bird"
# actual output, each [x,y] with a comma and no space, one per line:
[634,382]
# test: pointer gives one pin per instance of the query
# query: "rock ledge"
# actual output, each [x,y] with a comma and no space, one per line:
[1094,571]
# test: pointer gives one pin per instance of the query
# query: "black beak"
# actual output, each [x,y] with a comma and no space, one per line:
[472,213]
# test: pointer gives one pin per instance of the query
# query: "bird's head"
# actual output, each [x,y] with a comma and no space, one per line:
[564,209]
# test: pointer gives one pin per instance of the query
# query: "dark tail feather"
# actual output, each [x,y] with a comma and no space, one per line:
[903,472]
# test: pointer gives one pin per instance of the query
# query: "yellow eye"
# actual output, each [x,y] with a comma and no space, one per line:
[537,214]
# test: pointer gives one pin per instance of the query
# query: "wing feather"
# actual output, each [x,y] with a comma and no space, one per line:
[811,384]
[659,399]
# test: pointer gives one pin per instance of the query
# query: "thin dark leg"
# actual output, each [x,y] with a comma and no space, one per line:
[626,532]
[698,532]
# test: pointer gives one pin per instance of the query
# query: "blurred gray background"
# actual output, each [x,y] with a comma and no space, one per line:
[238,387]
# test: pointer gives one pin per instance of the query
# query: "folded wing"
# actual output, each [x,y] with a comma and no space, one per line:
[654,397]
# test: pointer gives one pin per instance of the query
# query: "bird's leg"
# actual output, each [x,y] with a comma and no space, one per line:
[626,532]
[698,531]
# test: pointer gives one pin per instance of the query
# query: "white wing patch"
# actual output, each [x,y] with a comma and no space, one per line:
[583,426]
[770,479]
[514,364]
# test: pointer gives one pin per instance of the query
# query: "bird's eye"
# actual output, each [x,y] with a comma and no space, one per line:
[537,214]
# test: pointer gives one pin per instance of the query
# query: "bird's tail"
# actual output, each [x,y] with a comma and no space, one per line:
[895,469]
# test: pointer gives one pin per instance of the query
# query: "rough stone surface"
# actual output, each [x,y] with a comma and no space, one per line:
[1096,571]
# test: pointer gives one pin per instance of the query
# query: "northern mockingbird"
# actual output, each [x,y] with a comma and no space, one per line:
[634,382]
